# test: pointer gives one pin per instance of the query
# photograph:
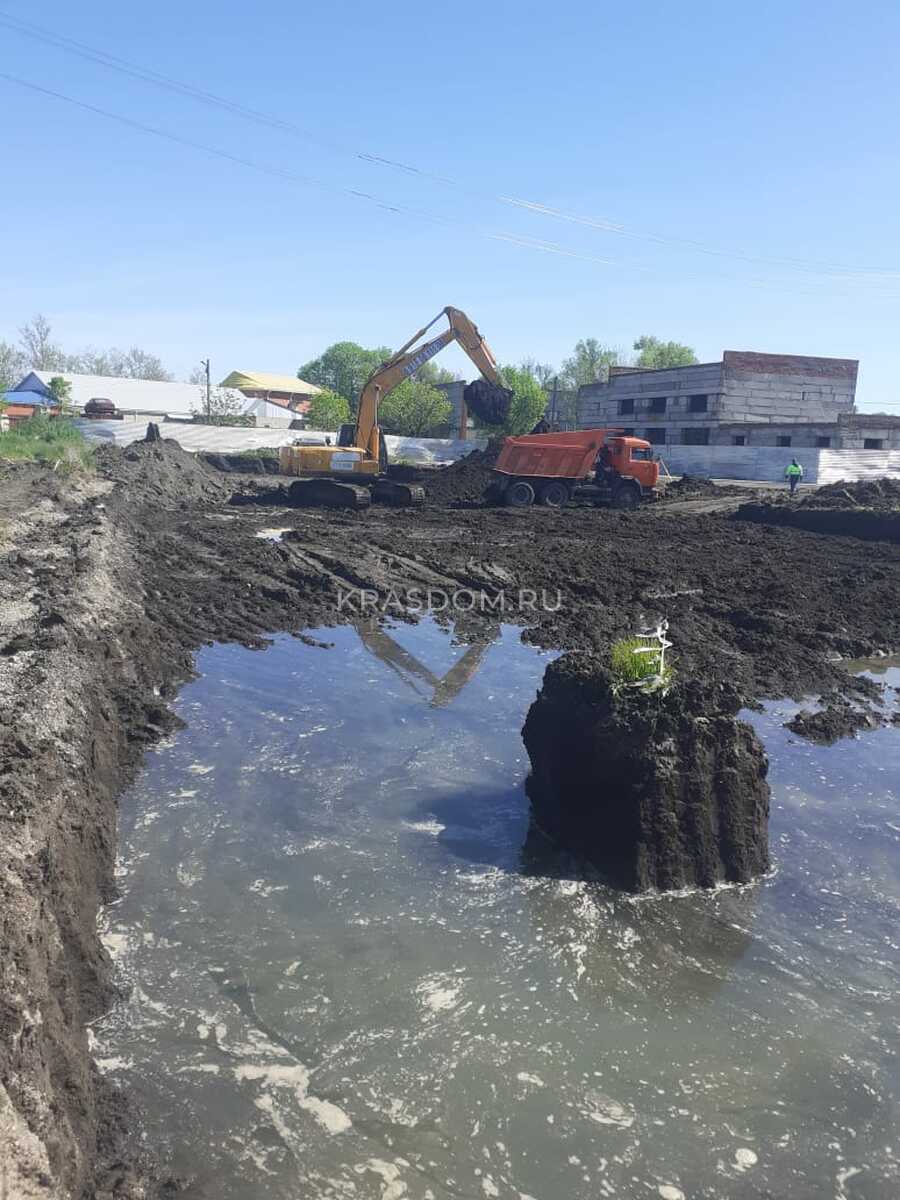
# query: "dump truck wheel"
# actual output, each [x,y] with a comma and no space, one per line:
[519,494]
[554,494]
[627,497]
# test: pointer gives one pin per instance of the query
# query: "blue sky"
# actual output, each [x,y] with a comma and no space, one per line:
[750,153]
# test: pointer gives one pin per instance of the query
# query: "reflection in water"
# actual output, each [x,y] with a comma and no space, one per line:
[355,973]
[444,688]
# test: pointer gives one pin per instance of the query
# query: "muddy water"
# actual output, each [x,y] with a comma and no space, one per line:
[354,976]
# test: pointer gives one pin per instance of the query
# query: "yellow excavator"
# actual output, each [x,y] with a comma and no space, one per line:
[353,473]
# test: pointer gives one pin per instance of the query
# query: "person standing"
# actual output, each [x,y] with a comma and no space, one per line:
[793,474]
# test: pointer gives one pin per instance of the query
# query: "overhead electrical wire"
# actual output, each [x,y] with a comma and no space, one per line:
[602,224]
[521,240]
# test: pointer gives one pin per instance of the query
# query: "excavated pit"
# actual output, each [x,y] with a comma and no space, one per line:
[657,792]
[109,587]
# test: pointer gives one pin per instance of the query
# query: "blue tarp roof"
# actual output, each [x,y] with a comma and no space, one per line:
[27,398]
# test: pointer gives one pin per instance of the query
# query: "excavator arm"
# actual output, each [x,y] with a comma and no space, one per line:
[408,359]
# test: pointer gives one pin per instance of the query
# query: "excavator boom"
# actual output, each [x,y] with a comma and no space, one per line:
[364,456]
[409,358]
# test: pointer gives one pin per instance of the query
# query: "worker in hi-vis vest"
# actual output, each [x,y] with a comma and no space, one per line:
[793,474]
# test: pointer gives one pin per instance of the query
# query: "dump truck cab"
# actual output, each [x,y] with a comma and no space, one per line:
[550,468]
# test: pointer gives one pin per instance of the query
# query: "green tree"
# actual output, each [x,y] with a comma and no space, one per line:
[528,404]
[414,409]
[589,363]
[328,411]
[343,368]
[654,353]
[61,391]
[529,400]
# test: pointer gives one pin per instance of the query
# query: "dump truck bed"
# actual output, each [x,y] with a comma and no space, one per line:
[551,455]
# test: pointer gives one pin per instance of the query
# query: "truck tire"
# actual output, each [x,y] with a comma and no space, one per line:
[627,497]
[519,494]
[554,494]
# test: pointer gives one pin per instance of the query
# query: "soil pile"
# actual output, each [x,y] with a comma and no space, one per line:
[838,719]
[464,481]
[881,494]
[691,485]
[242,464]
[657,792]
[158,471]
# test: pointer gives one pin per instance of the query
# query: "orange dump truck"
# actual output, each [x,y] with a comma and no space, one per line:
[548,468]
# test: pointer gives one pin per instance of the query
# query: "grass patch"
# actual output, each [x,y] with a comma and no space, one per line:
[46,440]
[629,666]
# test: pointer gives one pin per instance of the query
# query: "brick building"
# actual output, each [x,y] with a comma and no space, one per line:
[747,399]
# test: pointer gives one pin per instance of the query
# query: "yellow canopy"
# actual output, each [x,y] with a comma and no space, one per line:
[261,381]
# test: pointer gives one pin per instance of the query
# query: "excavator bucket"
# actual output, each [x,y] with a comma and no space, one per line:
[488,401]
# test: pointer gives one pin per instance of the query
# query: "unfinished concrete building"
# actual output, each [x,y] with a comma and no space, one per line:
[747,399]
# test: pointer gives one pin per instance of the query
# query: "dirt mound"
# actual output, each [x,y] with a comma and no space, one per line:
[466,479]
[691,485]
[882,494]
[242,464]
[160,472]
[658,792]
[838,719]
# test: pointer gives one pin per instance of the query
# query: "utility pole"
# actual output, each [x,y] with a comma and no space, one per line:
[204,362]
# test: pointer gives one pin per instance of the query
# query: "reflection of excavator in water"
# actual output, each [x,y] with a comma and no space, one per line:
[353,473]
[443,688]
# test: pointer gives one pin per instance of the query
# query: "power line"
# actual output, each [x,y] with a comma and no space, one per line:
[603,224]
[311,181]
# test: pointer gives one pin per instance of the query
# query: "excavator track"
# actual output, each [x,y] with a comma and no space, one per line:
[399,495]
[328,493]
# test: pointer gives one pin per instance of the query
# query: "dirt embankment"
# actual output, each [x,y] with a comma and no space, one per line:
[77,673]
[868,509]
[103,605]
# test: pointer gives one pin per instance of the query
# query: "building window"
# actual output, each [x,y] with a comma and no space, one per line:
[698,403]
[739,439]
[873,443]
[823,442]
[655,436]
[628,432]
[626,408]
[695,437]
[783,440]
[658,404]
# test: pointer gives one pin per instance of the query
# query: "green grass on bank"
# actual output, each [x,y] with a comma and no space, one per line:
[47,440]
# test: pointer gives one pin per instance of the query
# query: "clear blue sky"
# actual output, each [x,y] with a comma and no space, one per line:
[767,130]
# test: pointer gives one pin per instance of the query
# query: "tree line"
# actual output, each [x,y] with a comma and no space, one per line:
[36,350]
[417,408]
